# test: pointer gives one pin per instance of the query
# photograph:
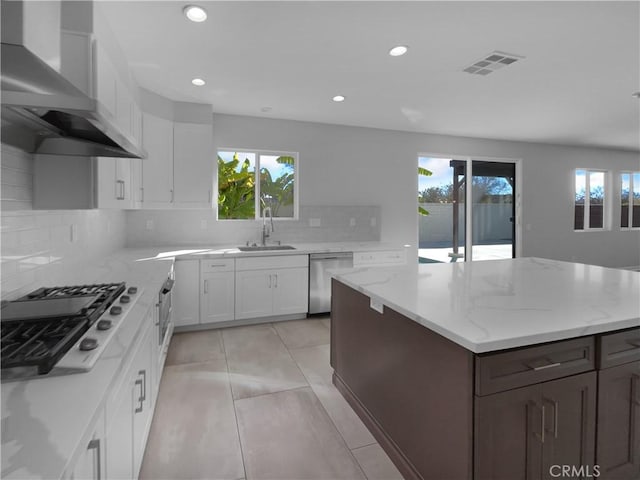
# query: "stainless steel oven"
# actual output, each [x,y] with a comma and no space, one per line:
[164,309]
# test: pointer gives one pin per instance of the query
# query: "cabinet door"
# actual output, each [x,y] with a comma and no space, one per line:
[114,183]
[119,460]
[570,419]
[105,80]
[186,293]
[290,291]
[136,182]
[254,294]
[142,398]
[124,105]
[157,169]
[108,188]
[193,164]
[619,422]
[91,463]
[508,435]
[217,298]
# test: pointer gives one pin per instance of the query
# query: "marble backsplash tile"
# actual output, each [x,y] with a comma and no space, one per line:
[42,247]
[199,227]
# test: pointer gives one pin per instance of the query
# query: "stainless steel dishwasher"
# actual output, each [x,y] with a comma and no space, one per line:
[320,278]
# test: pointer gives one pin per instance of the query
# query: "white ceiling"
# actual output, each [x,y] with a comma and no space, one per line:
[574,87]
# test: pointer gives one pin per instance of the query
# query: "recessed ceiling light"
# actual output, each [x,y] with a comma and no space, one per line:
[195,13]
[198,82]
[398,51]
[338,98]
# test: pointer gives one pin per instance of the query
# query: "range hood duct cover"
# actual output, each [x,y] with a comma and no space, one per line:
[39,102]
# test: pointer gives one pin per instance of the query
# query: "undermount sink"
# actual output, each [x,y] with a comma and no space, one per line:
[262,248]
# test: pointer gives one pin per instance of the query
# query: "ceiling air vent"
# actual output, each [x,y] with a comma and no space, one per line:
[492,62]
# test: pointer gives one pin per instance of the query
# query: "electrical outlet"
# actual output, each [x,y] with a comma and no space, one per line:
[374,222]
[314,222]
[149,224]
[352,222]
[203,224]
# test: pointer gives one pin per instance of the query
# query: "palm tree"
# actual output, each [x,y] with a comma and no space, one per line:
[425,173]
[278,192]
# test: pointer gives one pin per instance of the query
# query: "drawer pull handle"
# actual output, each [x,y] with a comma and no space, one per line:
[539,436]
[635,381]
[635,343]
[544,367]
[554,405]
[217,265]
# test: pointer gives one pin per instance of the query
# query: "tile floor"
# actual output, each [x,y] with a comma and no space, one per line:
[257,402]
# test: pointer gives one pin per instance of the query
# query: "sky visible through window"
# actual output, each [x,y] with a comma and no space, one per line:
[596,185]
[439,167]
[266,161]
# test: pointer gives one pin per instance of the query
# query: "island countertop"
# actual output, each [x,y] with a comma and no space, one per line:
[499,304]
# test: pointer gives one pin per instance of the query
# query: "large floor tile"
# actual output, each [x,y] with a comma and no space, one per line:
[259,362]
[376,464]
[288,435]
[327,322]
[195,347]
[314,363]
[303,333]
[194,432]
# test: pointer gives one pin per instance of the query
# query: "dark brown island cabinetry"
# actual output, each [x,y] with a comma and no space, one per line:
[618,443]
[565,409]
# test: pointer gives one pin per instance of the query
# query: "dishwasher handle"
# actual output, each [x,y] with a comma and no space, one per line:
[330,256]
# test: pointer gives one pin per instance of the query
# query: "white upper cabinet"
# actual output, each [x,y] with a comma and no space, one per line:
[178,172]
[157,169]
[105,79]
[193,164]
[114,183]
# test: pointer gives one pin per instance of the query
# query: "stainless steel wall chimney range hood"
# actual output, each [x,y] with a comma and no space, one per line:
[57,118]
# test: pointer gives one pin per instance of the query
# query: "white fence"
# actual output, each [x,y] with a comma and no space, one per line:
[491,223]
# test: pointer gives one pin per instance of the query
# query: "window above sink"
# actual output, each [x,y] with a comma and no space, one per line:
[251,180]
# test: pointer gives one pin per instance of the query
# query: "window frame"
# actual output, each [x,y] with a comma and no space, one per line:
[259,152]
[606,214]
[631,202]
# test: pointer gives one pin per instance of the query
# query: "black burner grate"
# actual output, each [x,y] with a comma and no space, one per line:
[41,343]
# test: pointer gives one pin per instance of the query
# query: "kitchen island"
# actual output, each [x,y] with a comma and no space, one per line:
[497,369]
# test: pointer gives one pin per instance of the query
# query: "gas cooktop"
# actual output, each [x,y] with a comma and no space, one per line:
[58,330]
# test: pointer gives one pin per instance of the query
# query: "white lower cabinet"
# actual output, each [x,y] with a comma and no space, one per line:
[186,293]
[90,465]
[267,286]
[291,291]
[130,410]
[217,290]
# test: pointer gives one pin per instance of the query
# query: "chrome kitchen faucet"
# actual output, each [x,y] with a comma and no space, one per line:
[265,235]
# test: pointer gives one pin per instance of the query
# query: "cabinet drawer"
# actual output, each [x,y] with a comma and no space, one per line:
[525,366]
[272,262]
[619,348]
[217,265]
[384,257]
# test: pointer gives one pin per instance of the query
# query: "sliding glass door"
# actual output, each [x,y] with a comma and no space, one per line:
[452,228]
[493,210]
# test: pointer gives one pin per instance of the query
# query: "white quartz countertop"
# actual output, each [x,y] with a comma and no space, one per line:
[45,420]
[499,304]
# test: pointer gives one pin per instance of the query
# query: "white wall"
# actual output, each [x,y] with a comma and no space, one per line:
[36,246]
[342,165]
